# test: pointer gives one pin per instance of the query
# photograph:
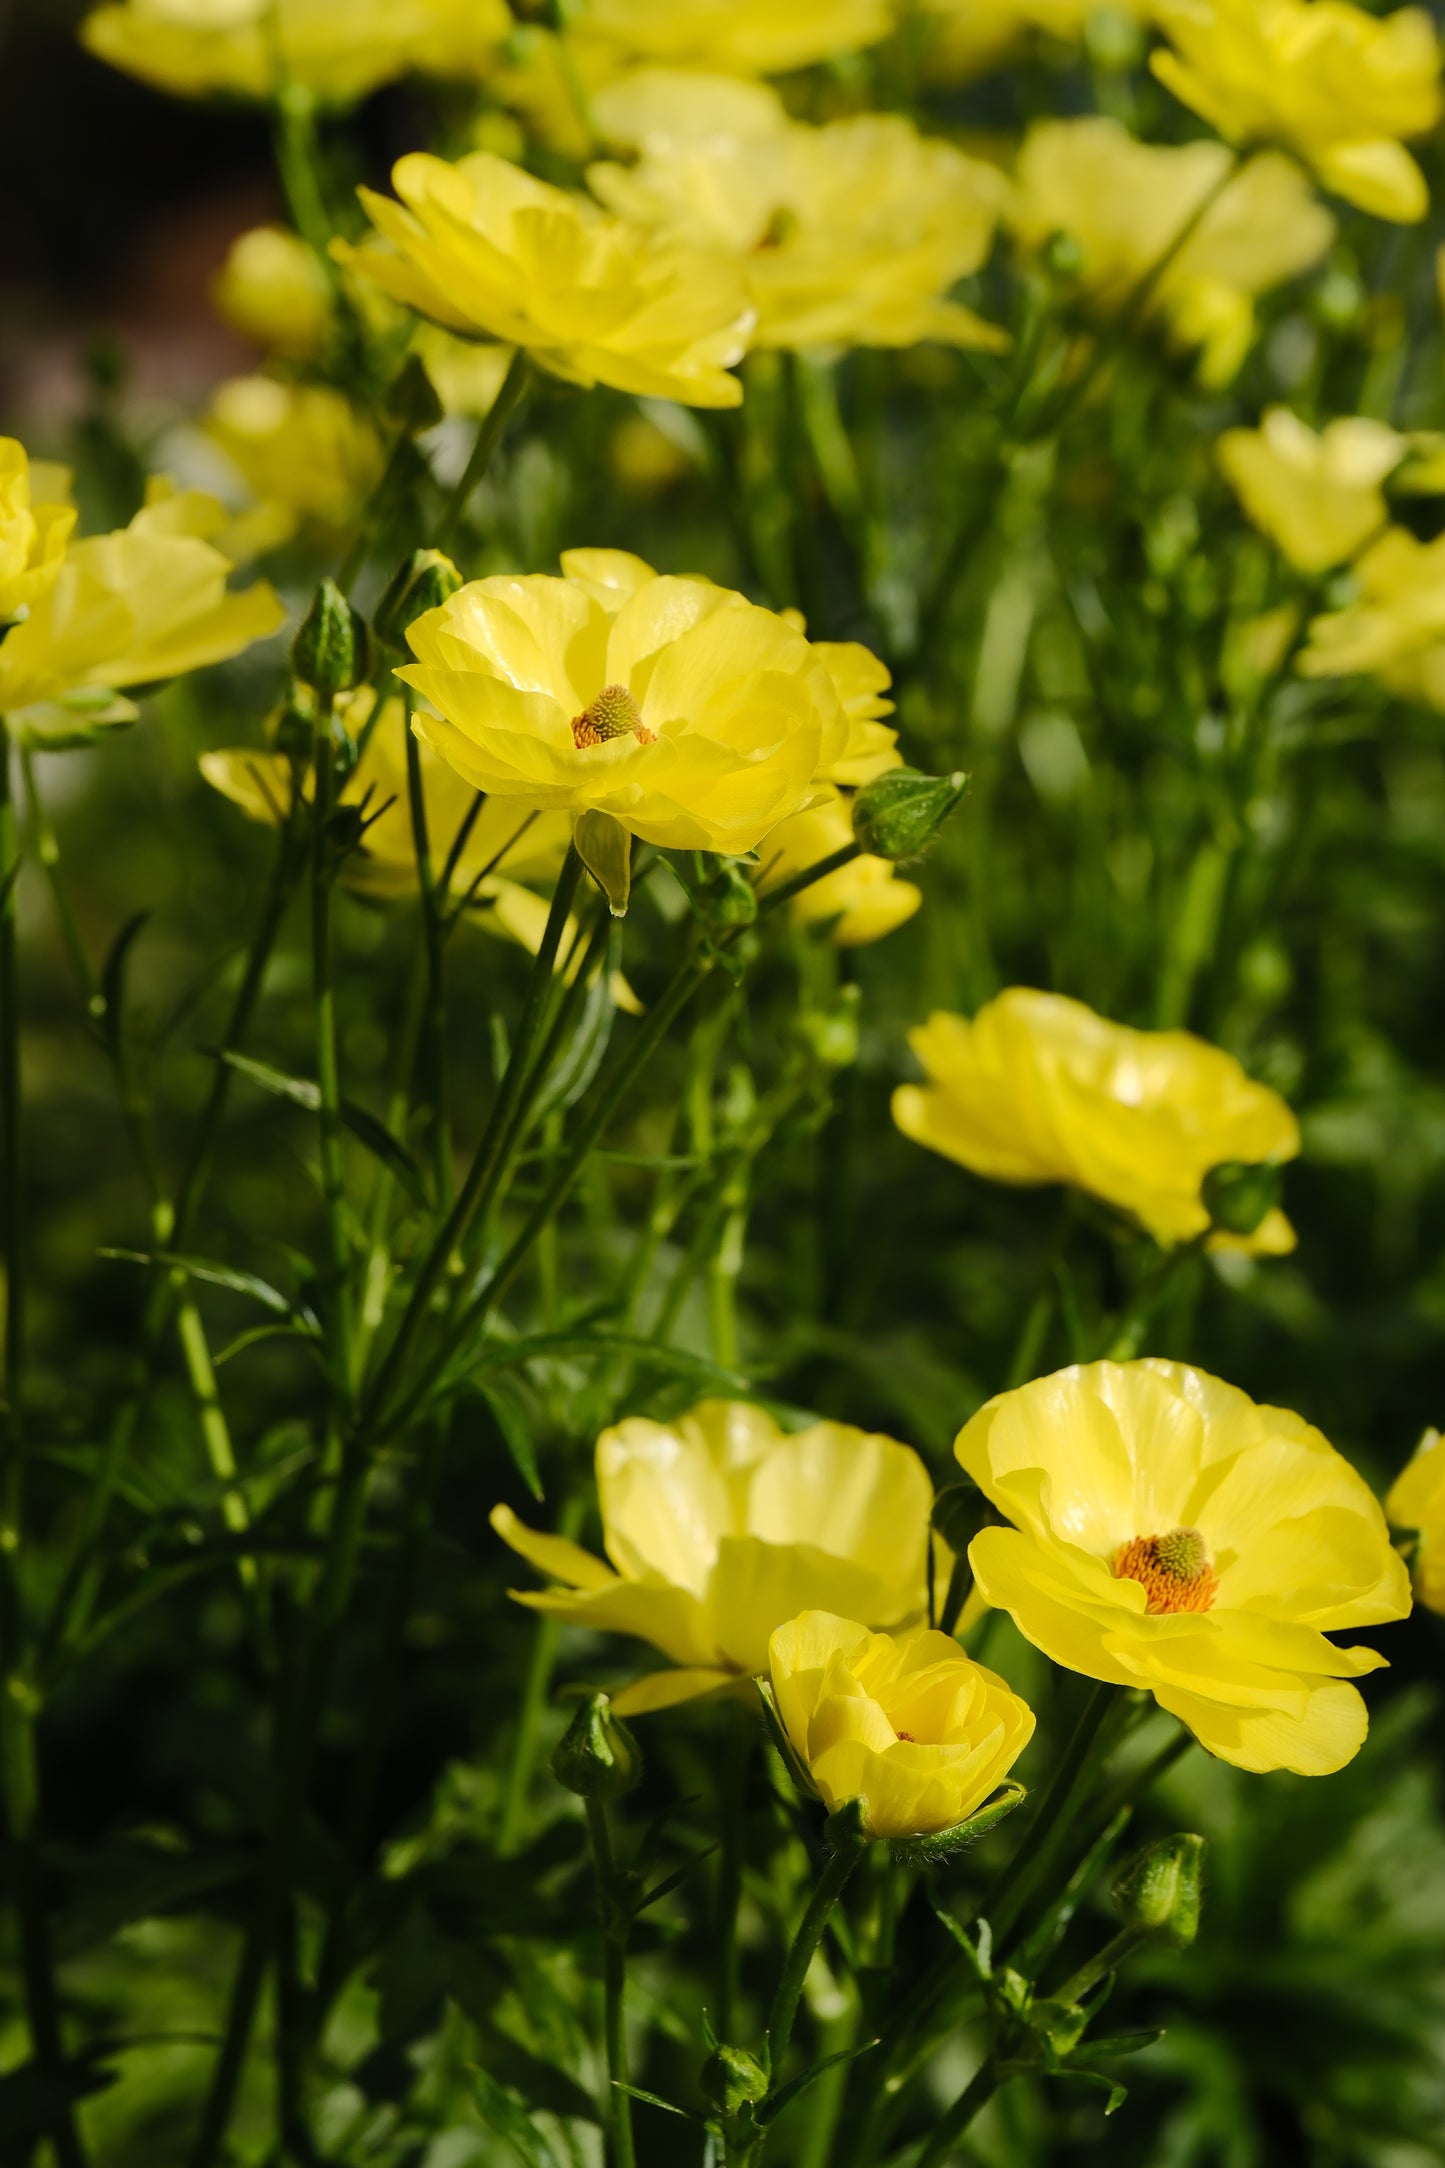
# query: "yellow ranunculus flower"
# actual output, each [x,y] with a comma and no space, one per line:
[967,38]
[1334,85]
[338,49]
[912,1727]
[1395,629]
[720,1527]
[1037,1088]
[273,289]
[1316,495]
[1125,203]
[737,37]
[693,717]
[33,534]
[864,900]
[1417,1501]
[303,446]
[1171,1535]
[851,234]
[862,682]
[147,602]
[482,247]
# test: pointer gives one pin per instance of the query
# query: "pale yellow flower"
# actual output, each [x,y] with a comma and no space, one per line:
[131,608]
[1417,1502]
[483,248]
[721,1527]
[1336,86]
[861,902]
[1037,1088]
[274,290]
[338,49]
[851,234]
[1315,494]
[33,533]
[736,37]
[911,1727]
[303,446]
[693,717]
[1125,204]
[1395,628]
[967,38]
[1170,1535]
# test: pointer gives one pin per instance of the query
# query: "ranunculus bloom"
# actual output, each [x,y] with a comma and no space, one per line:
[737,37]
[33,534]
[483,248]
[1334,85]
[1037,1088]
[864,900]
[1168,1534]
[303,446]
[720,1527]
[910,1726]
[147,602]
[338,49]
[1316,495]
[1124,203]
[1395,628]
[851,234]
[694,718]
[1417,1502]
[273,288]
[862,682]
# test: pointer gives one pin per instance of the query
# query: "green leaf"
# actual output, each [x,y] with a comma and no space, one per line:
[228,1276]
[585,1051]
[509,2120]
[303,1091]
[112,980]
[30,2096]
[670,1882]
[980,1955]
[775,2103]
[512,1422]
[655,2100]
[75,721]
[1117,2093]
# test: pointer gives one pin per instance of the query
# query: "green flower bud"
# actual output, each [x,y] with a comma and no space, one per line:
[422,582]
[1238,1197]
[332,651]
[1063,256]
[959,1511]
[412,402]
[831,1034]
[732,2079]
[597,1756]
[897,815]
[1158,1892]
[729,898]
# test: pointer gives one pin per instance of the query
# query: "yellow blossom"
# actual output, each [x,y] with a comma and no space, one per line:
[1125,204]
[851,234]
[862,682]
[693,717]
[864,900]
[303,446]
[33,534]
[273,289]
[1325,80]
[339,50]
[1316,495]
[483,248]
[1037,1088]
[910,1726]
[1395,628]
[737,37]
[130,608]
[721,1527]
[1170,1535]
[1417,1502]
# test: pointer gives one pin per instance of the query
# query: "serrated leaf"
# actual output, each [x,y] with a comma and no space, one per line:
[775,2103]
[228,1276]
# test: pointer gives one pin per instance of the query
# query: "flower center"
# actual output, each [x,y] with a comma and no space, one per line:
[1173,1570]
[613,714]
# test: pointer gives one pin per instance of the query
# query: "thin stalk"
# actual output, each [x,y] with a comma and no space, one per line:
[1012,1890]
[732,1821]
[514,388]
[1127,1333]
[617,2116]
[535,1689]
[811,1929]
[950,2127]
[435,936]
[328,1077]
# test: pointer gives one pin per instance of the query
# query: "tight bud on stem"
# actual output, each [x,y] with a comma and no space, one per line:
[332,651]
[897,815]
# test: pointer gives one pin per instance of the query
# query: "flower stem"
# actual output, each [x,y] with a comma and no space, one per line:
[617,2118]
[513,390]
[950,2128]
[828,1889]
[333,1165]
[1015,1886]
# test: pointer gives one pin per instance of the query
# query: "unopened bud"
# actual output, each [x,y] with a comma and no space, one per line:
[331,652]
[729,898]
[959,1511]
[597,1756]
[831,1034]
[732,2079]
[897,815]
[424,581]
[412,401]
[1238,1197]
[1063,256]
[1158,1892]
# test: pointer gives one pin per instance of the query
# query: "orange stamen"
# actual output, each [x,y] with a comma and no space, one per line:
[1173,1570]
[613,714]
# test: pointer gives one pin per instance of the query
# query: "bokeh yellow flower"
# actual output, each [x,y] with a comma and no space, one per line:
[339,50]
[148,602]
[1394,629]
[721,1527]
[1417,1502]
[911,1727]
[861,902]
[1336,86]
[1316,494]
[850,234]
[33,534]
[1125,203]
[274,290]
[737,37]
[1170,1535]
[1038,1088]
[304,446]
[967,38]
[693,717]
[482,248]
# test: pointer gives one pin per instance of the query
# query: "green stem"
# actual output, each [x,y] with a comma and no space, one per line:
[1127,1334]
[513,389]
[328,1077]
[1105,1961]
[435,998]
[617,2116]
[1005,1902]
[950,2128]
[12,1255]
[535,1689]
[811,1928]
[732,1819]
